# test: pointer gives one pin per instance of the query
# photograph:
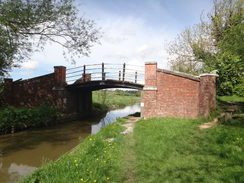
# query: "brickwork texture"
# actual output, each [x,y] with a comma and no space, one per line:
[174,94]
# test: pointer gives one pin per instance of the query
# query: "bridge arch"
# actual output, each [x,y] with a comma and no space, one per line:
[83,80]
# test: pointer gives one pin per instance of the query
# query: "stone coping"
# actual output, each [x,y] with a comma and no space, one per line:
[181,74]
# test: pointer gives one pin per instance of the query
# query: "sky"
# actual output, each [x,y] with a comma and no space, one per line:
[133,32]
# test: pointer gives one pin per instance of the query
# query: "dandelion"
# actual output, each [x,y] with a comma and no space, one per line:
[90,138]
[108,178]
[95,181]
[81,179]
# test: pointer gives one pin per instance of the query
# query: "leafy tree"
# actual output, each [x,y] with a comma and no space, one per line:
[28,25]
[214,44]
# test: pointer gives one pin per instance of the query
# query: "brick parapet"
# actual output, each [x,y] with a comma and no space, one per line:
[60,73]
[46,89]
[207,94]
[176,94]
[8,91]
[151,74]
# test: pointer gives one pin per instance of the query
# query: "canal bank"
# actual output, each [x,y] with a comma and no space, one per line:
[23,152]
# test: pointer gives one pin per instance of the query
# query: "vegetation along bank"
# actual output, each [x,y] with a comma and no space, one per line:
[174,150]
[13,119]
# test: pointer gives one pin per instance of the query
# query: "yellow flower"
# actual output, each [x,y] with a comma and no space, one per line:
[95,181]
[75,160]
[108,178]
[90,138]
[76,164]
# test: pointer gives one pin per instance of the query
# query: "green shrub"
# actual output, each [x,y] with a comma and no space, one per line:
[14,119]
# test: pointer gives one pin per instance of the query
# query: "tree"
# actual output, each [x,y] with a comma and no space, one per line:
[214,44]
[28,25]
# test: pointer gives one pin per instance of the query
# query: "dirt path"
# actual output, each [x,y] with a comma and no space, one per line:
[130,124]
[229,110]
[130,157]
[212,123]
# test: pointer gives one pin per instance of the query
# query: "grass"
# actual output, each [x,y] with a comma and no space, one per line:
[97,159]
[159,150]
[231,98]
[114,99]
[175,150]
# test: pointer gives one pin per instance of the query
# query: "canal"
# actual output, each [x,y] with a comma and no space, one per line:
[22,152]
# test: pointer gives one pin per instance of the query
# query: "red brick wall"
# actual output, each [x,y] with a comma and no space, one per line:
[46,89]
[175,94]
[207,94]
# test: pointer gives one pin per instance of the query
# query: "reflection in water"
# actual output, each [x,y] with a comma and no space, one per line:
[112,115]
[22,152]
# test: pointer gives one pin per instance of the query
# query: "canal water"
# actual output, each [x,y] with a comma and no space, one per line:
[22,152]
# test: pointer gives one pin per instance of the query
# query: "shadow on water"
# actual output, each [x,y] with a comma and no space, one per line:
[22,152]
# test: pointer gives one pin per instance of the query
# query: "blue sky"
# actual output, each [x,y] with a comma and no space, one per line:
[134,32]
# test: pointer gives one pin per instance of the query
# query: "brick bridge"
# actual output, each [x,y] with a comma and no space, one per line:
[165,93]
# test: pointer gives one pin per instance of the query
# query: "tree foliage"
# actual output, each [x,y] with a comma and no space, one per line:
[28,25]
[216,43]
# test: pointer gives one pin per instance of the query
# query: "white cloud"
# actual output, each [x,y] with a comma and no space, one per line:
[30,65]
[126,39]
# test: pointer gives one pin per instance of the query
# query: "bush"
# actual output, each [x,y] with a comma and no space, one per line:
[14,119]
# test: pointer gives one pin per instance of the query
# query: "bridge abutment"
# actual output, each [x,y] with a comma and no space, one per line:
[176,94]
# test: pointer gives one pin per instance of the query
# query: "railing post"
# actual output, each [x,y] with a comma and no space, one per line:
[103,73]
[136,77]
[119,75]
[84,73]
[124,72]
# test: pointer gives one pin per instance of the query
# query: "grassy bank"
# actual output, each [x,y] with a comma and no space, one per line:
[231,99]
[175,150]
[115,99]
[97,159]
[159,150]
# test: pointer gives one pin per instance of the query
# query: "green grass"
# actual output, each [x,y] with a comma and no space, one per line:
[231,98]
[97,159]
[176,150]
[114,99]
[159,150]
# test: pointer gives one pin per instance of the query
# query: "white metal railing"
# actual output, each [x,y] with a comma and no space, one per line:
[105,71]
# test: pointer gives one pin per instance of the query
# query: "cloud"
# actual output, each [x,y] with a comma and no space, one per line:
[30,65]
[126,39]
[144,51]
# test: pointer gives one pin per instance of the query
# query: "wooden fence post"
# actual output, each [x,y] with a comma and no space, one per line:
[124,72]
[103,73]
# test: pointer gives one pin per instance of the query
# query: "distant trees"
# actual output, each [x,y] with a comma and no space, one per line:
[27,25]
[216,43]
